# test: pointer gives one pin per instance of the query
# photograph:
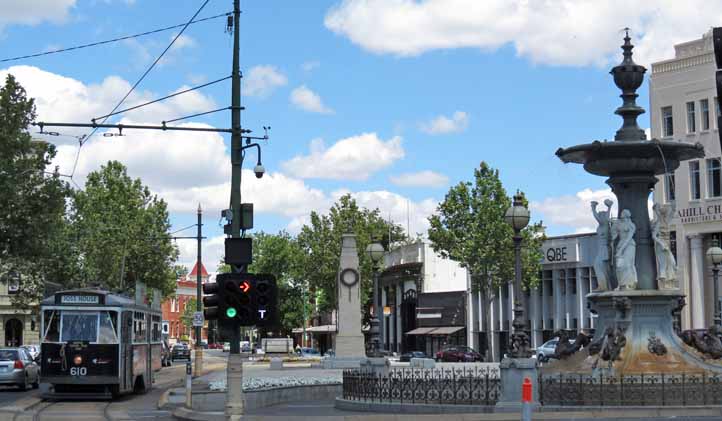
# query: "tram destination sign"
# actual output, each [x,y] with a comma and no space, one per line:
[82,299]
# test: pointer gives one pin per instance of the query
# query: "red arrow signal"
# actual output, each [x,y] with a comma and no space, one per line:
[245,286]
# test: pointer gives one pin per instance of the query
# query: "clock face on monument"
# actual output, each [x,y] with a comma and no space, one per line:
[349,277]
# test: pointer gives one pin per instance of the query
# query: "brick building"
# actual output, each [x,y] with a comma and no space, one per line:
[173,308]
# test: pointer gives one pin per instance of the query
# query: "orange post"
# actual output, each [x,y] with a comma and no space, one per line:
[526,390]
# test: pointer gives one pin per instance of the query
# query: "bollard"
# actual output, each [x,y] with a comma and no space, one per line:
[526,397]
[189,383]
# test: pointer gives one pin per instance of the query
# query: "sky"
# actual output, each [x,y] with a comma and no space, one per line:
[392,101]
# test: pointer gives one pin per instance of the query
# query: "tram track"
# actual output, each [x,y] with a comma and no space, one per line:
[40,410]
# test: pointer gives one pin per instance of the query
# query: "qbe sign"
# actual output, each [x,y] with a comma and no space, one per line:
[198,319]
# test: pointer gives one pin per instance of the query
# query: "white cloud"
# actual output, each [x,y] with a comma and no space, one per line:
[310,66]
[574,33]
[35,11]
[212,251]
[458,122]
[420,179]
[352,158]
[63,99]
[147,50]
[261,81]
[574,212]
[307,100]
[392,206]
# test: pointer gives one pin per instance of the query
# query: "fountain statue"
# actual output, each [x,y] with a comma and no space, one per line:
[666,263]
[625,251]
[602,263]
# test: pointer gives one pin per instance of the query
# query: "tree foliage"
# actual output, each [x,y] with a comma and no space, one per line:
[186,318]
[469,227]
[122,233]
[320,241]
[32,223]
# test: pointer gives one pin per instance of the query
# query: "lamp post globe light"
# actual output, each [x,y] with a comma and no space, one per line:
[375,252]
[518,217]
[715,255]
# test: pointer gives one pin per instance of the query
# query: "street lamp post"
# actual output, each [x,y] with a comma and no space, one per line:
[518,217]
[715,255]
[375,251]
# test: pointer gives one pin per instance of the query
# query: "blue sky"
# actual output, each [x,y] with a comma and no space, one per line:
[358,94]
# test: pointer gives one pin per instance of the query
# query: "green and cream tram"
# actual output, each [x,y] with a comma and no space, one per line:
[98,343]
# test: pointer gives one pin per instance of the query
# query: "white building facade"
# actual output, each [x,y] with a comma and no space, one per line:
[684,108]
[557,303]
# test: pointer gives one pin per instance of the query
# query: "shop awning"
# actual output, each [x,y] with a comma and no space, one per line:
[448,330]
[321,329]
[420,331]
[442,331]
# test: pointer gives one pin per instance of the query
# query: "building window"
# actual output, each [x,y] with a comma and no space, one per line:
[669,187]
[694,180]
[716,101]
[173,305]
[713,178]
[704,111]
[691,118]
[667,124]
[673,243]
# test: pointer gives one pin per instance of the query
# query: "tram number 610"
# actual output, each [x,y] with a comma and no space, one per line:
[78,371]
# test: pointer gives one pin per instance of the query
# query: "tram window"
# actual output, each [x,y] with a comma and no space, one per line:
[107,334]
[79,326]
[52,326]
[155,331]
[139,327]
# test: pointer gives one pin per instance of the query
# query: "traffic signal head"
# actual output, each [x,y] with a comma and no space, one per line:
[211,301]
[266,300]
[236,303]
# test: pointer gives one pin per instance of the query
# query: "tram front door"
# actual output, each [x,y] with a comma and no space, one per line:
[126,350]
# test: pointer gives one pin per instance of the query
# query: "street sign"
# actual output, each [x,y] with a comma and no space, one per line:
[197,319]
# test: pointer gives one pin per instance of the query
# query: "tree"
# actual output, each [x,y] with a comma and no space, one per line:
[187,316]
[469,228]
[32,223]
[122,233]
[321,245]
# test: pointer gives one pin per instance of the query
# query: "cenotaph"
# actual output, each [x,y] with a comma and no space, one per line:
[349,343]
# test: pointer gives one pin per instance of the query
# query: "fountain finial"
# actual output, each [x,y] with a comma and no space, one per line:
[628,76]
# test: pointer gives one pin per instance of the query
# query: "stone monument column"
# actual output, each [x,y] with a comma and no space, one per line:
[350,348]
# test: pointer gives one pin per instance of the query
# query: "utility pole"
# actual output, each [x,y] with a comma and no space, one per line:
[199,329]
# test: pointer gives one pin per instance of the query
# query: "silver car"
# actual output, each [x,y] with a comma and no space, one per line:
[546,351]
[18,368]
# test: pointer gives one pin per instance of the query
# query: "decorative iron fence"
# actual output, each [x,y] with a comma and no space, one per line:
[656,389]
[462,386]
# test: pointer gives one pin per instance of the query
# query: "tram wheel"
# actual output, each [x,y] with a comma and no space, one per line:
[139,386]
[36,383]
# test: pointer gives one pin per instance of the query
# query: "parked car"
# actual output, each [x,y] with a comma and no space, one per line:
[204,344]
[18,368]
[180,351]
[406,357]
[546,351]
[33,350]
[245,347]
[215,345]
[308,353]
[165,354]
[226,347]
[458,353]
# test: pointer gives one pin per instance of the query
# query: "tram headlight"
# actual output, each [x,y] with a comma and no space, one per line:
[77,360]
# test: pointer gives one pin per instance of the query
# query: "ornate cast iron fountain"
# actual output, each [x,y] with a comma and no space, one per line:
[635,331]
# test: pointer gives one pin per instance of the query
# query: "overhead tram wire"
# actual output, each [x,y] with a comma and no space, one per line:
[95,129]
[196,115]
[95,44]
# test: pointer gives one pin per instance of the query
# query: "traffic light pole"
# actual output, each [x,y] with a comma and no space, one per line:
[236,152]
[199,329]
[234,370]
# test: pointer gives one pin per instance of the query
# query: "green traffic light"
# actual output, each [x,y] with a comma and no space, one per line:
[231,312]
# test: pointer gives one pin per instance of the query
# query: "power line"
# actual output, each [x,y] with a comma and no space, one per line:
[197,115]
[95,44]
[163,98]
[95,129]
